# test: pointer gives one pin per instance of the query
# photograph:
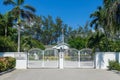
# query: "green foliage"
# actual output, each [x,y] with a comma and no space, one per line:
[2,66]
[37,44]
[6,44]
[97,40]
[5,24]
[11,62]
[77,43]
[51,30]
[45,30]
[28,43]
[114,65]
[106,19]
[20,11]
[114,46]
[7,63]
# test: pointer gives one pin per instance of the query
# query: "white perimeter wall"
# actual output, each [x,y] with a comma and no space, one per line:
[102,59]
[21,58]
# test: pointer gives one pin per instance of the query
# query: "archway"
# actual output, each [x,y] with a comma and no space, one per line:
[71,58]
[38,58]
[35,58]
[86,58]
[51,58]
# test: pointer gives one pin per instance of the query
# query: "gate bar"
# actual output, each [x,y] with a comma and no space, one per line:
[43,59]
[79,59]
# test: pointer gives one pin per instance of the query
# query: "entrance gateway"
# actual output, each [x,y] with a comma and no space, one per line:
[60,58]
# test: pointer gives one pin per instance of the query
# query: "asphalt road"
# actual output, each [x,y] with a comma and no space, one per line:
[60,74]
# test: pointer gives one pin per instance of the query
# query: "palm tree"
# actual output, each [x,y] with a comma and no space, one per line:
[112,10]
[20,14]
[6,22]
[94,40]
[99,19]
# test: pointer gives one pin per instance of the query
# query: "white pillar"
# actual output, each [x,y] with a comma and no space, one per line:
[61,60]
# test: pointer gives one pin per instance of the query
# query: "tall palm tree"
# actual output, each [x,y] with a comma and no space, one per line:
[107,17]
[6,22]
[112,10]
[94,40]
[19,12]
[99,19]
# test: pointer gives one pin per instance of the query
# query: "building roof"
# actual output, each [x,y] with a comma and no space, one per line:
[61,45]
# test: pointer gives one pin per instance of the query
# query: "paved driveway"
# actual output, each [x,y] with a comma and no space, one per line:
[57,74]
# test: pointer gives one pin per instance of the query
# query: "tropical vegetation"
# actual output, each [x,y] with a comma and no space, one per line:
[21,29]
[114,65]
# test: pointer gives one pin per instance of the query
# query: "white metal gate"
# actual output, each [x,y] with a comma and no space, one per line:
[35,58]
[86,58]
[38,58]
[71,58]
[52,58]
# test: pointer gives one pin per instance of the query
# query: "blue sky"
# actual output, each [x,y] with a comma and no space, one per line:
[72,12]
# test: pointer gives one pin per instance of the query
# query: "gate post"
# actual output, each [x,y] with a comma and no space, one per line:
[61,59]
[79,59]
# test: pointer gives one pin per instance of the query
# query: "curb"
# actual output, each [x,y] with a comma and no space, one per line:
[10,70]
[115,71]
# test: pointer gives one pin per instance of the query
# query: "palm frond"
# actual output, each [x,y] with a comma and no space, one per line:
[19,2]
[99,8]
[23,14]
[30,15]
[93,22]
[1,15]
[9,2]
[30,8]
[27,15]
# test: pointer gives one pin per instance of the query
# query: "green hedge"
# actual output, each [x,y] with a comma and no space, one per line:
[114,65]
[7,63]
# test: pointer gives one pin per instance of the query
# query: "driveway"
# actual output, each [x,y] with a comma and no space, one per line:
[60,74]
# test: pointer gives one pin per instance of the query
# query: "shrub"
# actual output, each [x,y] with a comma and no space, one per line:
[7,63]
[11,62]
[2,66]
[114,65]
